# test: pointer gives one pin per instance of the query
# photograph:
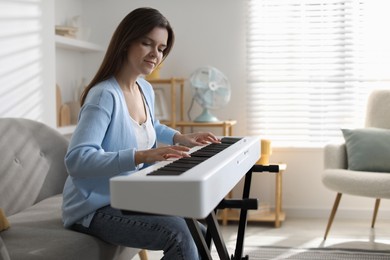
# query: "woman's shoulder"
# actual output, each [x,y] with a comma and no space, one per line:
[108,85]
[106,89]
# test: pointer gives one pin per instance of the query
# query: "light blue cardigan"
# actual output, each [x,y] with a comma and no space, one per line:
[102,146]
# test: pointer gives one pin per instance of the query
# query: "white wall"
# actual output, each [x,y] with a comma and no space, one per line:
[70,65]
[207,33]
[27,85]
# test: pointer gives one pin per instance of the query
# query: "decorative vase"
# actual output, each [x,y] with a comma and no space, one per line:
[266,151]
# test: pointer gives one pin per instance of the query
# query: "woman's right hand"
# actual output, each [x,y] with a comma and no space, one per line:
[161,154]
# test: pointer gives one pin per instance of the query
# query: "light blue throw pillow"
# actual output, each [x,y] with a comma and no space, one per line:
[368,149]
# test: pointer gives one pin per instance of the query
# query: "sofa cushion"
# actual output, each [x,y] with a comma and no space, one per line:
[3,251]
[368,149]
[38,233]
[360,183]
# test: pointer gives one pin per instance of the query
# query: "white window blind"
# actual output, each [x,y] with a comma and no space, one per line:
[21,60]
[311,65]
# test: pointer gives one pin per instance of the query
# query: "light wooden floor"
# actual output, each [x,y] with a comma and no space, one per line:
[309,233]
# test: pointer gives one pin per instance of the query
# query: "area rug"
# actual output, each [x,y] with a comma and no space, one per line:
[277,253]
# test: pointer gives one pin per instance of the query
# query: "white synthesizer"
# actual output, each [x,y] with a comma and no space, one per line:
[189,187]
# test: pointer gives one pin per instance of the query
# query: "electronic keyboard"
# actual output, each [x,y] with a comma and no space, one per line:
[190,187]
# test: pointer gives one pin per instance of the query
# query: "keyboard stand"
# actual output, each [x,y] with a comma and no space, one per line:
[213,232]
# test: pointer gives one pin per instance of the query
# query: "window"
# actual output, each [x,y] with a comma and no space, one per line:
[311,65]
[21,59]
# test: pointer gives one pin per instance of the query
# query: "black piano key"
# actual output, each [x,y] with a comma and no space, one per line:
[214,151]
[181,165]
[207,152]
[230,140]
[218,147]
[164,173]
[215,148]
[193,160]
[202,154]
[176,168]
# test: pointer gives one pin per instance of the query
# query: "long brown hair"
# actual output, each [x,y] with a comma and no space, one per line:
[135,25]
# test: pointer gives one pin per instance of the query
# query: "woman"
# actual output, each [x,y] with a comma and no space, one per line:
[117,135]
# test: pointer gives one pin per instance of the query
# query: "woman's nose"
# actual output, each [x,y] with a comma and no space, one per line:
[154,52]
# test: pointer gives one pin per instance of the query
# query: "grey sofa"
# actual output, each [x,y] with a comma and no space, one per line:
[32,175]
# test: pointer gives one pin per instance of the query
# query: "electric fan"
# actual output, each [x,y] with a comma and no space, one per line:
[211,90]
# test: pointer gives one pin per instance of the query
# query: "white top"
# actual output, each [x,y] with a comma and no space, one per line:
[145,133]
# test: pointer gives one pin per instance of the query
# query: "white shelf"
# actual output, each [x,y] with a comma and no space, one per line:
[76,44]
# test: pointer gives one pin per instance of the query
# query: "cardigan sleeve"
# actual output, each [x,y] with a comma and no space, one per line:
[86,156]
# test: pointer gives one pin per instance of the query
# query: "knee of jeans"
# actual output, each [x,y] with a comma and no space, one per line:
[186,249]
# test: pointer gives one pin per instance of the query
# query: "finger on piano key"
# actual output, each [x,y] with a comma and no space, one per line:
[196,158]
[169,156]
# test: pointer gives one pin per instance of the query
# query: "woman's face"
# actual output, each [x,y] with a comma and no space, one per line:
[145,54]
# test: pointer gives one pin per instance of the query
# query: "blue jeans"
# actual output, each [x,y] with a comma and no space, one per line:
[146,231]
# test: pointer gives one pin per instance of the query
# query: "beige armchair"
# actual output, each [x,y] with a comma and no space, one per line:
[338,175]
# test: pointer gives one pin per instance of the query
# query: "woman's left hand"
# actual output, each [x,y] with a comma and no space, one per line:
[195,139]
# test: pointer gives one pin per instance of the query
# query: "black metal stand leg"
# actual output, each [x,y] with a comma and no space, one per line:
[243,219]
[213,226]
[198,238]
[213,233]
[208,235]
